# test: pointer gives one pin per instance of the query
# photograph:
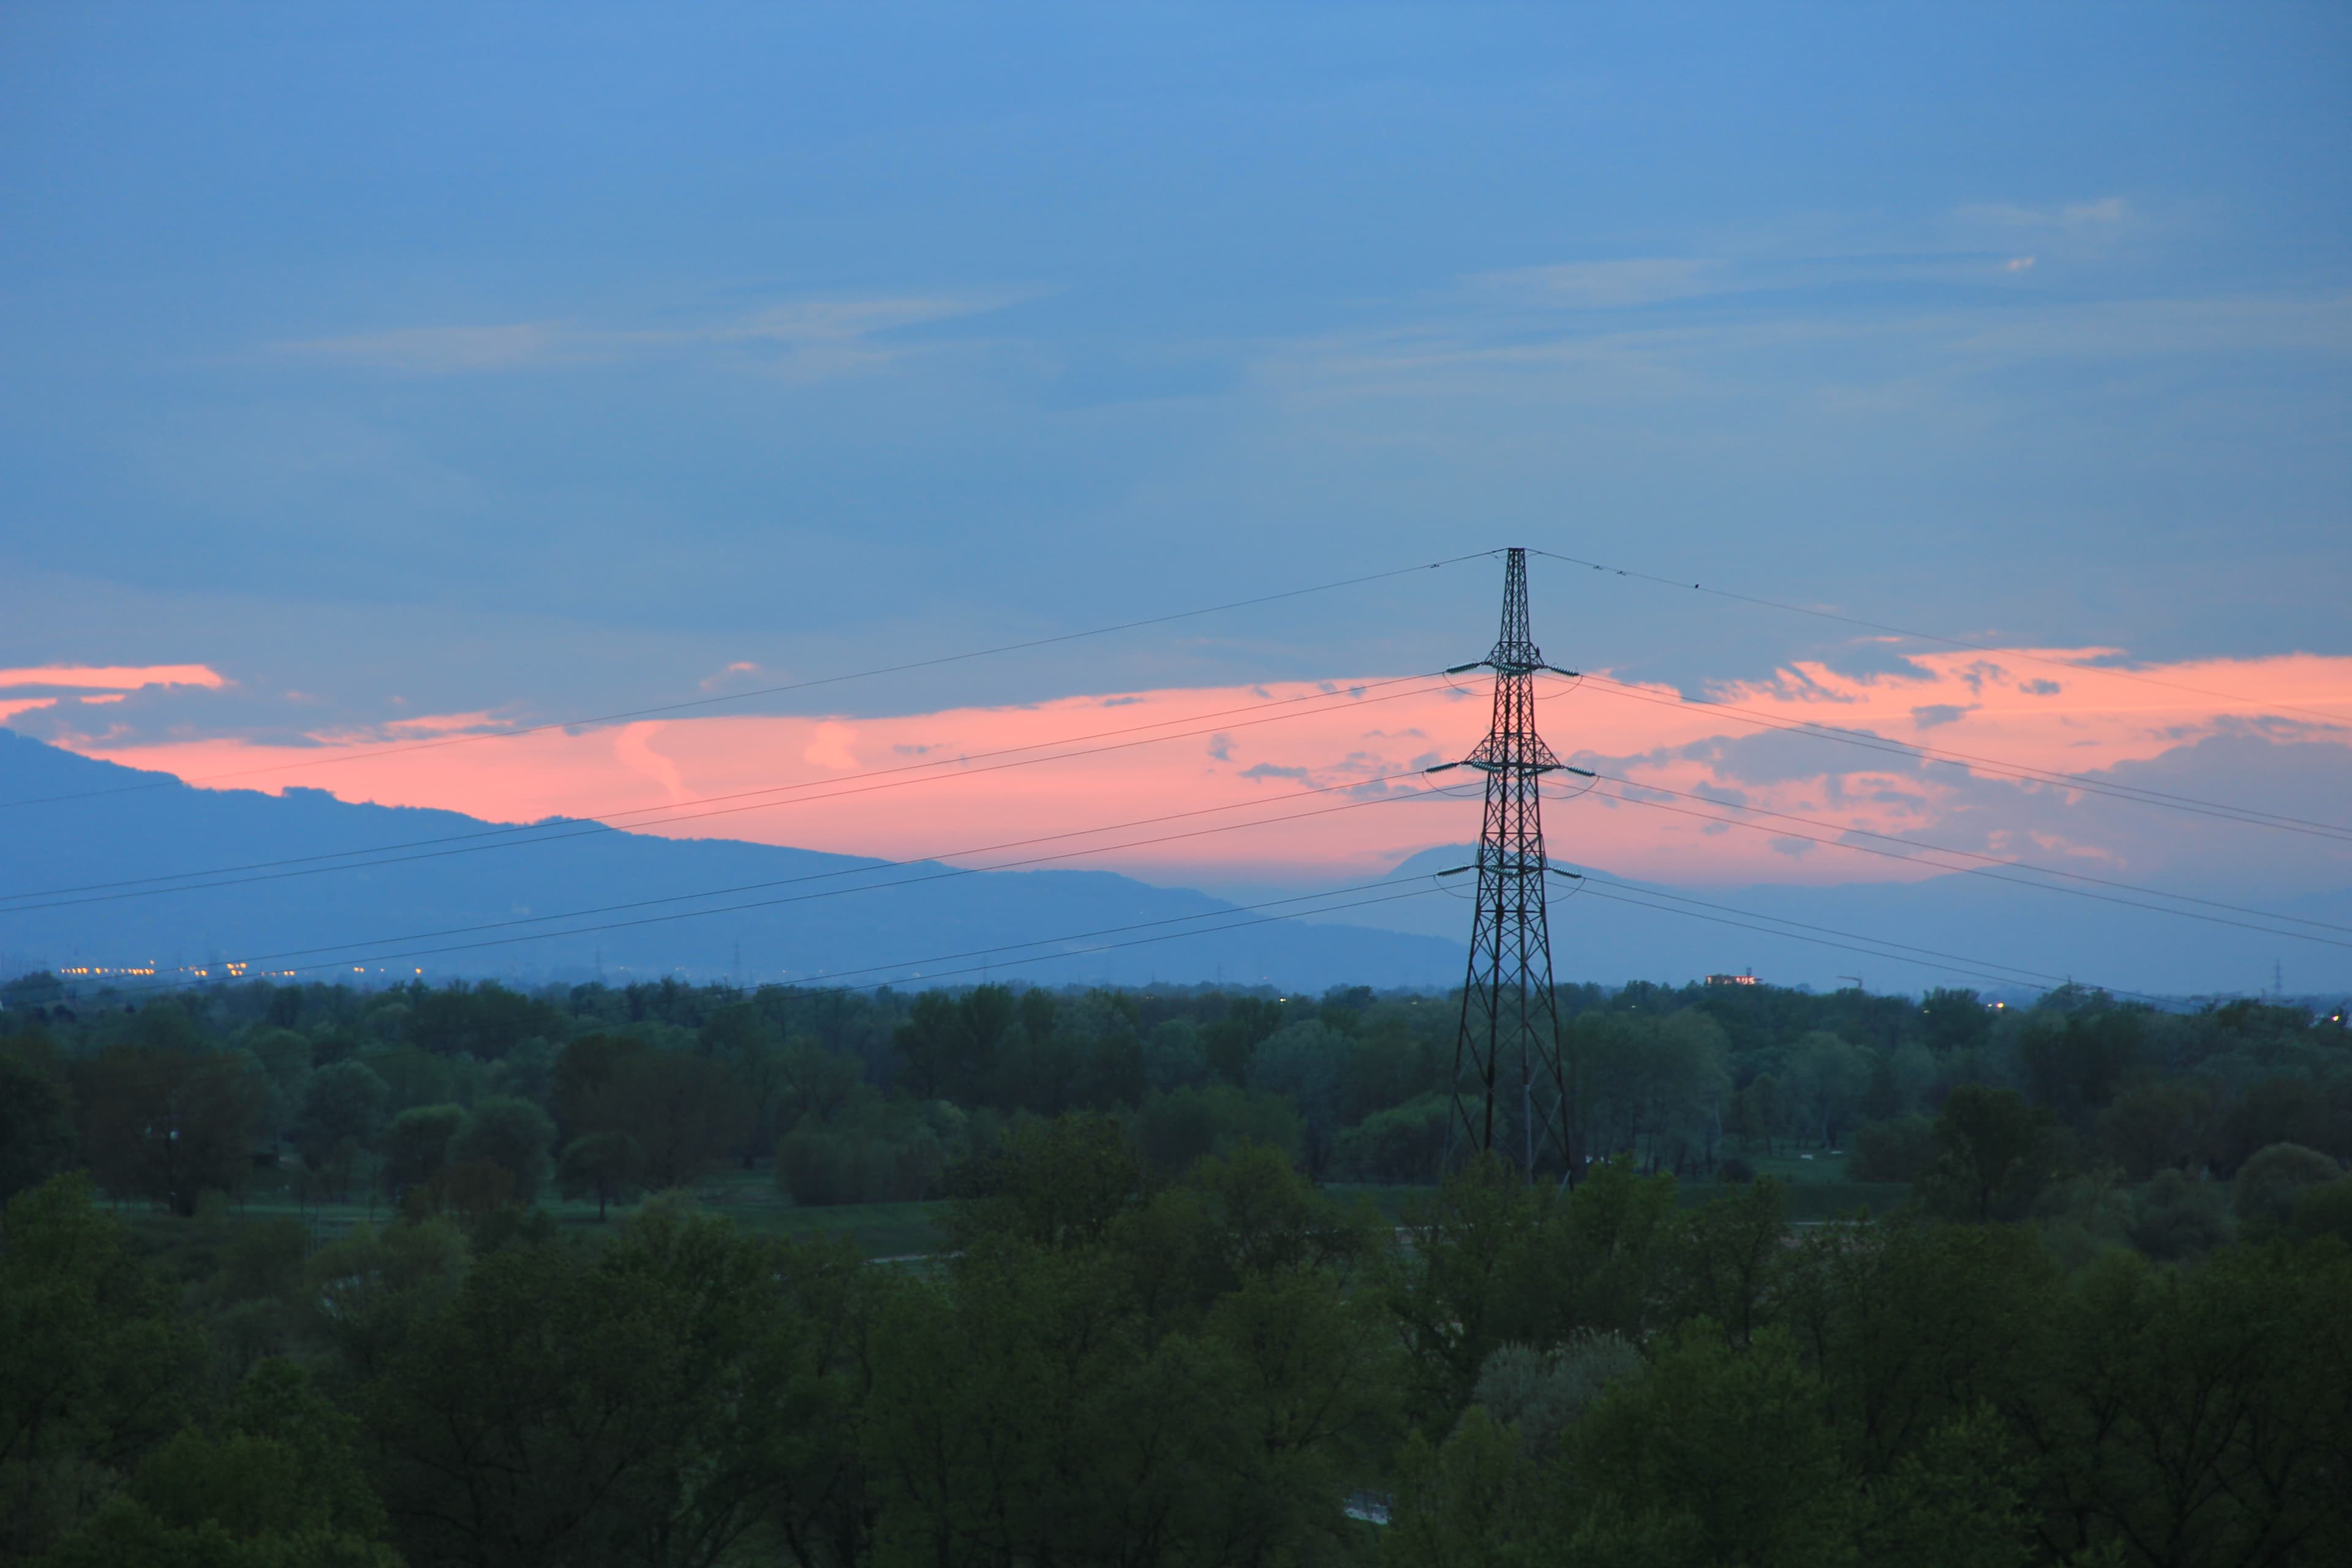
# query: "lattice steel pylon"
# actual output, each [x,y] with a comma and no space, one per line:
[1510,1022]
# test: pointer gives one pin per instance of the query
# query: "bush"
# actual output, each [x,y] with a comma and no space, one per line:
[2176,1218]
[1735,1171]
[1403,1144]
[1177,1130]
[1542,1392]
[2270,1181]
[2325,1210]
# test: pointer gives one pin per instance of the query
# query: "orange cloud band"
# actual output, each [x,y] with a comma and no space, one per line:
[1243,760]
[110,677]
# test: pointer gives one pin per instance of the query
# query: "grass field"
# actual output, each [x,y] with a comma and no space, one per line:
[749,1197]
[1818,1190]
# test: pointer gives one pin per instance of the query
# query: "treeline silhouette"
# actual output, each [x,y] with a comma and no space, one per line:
[485,1094]
[2102,1323]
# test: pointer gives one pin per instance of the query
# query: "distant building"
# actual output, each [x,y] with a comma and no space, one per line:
[1732,980]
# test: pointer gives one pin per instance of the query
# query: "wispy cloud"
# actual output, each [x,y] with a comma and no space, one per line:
[821,336]
[2105,213]
[1602,285]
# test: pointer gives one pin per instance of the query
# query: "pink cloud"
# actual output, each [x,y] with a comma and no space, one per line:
[110,677]
[1318,778]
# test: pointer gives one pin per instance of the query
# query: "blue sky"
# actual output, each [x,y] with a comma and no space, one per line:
[546,360]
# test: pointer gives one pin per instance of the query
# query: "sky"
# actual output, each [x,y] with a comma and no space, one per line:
[389,373]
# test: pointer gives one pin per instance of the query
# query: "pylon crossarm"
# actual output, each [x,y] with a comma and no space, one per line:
[1510,1022]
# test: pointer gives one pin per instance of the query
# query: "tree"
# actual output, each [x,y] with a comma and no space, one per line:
[1174,1130]
[2192,1414]
[367,1293]
[416,1144]
[2156,1126]
[1173,1057]
[1307,1062]
[684,1111]
[603,1165]
[582,1072]
[815,1081]
[1480,1500]
[97,1362]
[1056,1184]
[27,992]
[275,1480]
[2173,1217]
[344,1101]
[167,1123]
[1723,1260]
[285,1056]
[739,1036]
[2269,1182]
[927,1045]
[1493,1260]
[1992,1155]
[485,1020]
[1541,1394]
[2073,1062]
[1404,1144]
[1760,1112]
[1884,1099]
[37,1116]
[2285,1110]
[513,1134]
[1714,1455]
[1650,1086]
[649,1404]
[1828,1077]
[1954,1020]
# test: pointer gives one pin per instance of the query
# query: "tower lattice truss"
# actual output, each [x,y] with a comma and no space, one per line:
[1511,1094]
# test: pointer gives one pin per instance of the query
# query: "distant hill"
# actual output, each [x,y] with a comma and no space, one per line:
[174,829]
[1680,933]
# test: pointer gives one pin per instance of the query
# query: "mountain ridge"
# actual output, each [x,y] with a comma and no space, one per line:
[122,823]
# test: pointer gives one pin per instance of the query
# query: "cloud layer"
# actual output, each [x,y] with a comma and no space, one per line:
[2049,756]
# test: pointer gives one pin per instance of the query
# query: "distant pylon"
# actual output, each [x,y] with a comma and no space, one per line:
[1507,1051]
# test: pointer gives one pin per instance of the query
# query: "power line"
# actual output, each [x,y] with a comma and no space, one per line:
[830,983]
[1932,958]
[988,953]
[587,826]
[771,690]
[1949,642]
[348,957]
[1840,843]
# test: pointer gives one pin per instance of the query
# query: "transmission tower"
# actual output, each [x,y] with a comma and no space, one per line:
[1507,1051]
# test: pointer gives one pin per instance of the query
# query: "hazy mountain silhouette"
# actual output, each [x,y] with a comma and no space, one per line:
[841,920]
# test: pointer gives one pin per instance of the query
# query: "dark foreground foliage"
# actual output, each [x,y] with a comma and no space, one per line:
[1113,1367]
[2109,1328]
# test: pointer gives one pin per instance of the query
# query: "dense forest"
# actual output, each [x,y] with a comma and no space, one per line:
[1199,1296]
